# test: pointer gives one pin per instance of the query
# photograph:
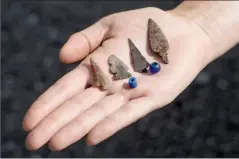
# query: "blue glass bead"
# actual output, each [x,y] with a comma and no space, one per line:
[133,82]
[154,67]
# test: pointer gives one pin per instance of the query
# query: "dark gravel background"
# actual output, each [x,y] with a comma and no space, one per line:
[202,122]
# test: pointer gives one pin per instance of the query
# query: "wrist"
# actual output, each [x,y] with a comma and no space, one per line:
[201,40]
[196,14]
[216,19]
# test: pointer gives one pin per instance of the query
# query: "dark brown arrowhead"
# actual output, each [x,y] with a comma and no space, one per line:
[157,40]
[100,79]
[139,61]
[118,68]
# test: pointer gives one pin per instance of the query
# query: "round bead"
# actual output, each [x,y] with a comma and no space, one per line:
[154,67]
[133,82]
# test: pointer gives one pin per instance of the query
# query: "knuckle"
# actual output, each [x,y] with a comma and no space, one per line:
[51,120]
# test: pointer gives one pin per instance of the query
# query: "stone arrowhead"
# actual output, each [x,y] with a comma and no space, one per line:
[164,57]
[157,40]
[100,78]
[139,61]
[118,68]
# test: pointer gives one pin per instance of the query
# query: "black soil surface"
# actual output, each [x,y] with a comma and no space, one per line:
[202,122]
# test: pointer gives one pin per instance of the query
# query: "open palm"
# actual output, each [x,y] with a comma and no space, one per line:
[72,107]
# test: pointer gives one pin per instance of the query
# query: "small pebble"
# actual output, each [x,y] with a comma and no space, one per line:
[32,19]
[202,78]
[222,84]
[9,146]
[89,150]
[48,61]
[53,33]
[39,86]
[211,141]
[5,36]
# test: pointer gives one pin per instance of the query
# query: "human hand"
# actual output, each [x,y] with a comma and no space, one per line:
[72,108]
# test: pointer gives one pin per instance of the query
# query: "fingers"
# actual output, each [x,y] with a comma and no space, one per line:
[70,84]
[61,116]
[84,42]
[126,115]
[79,127]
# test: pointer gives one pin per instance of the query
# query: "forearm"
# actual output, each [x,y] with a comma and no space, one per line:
[219,20]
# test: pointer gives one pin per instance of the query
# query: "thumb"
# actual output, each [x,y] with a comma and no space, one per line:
[82,43]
